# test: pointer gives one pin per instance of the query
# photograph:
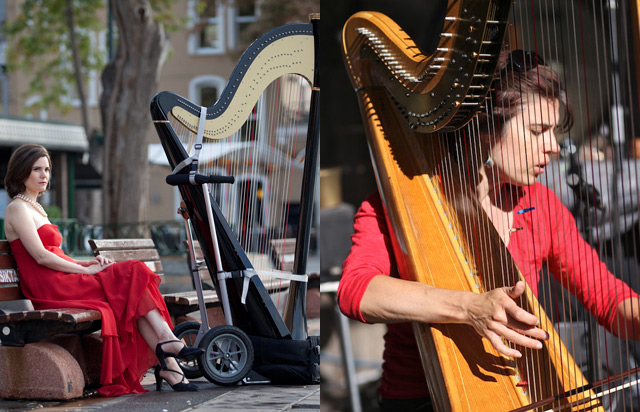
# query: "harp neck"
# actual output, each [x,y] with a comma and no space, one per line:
[434,92]
[289,49]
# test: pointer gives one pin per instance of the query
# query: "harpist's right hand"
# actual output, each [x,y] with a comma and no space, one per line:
[495,315]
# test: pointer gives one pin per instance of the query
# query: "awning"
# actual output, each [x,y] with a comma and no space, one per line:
[213,151]
[53,136]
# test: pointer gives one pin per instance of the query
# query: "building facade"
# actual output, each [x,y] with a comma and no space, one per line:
[203,55]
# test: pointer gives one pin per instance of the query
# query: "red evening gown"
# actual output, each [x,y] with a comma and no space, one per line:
[122,293]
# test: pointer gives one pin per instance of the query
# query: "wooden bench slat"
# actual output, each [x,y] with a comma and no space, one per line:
[4,246]
[10,292]
[122,255]
[66,315]
[190,298]
[119,244]
[155,266]
[7,261]
[197,249]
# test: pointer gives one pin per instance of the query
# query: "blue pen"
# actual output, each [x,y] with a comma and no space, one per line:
[529,209]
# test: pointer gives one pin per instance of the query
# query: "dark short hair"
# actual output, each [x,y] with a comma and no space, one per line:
[521,73]
[20,166]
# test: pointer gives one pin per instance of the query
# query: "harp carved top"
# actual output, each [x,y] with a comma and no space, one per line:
[290,54]
[442,91]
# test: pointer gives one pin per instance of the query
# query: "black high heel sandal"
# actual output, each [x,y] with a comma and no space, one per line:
[178,387]
[186,353]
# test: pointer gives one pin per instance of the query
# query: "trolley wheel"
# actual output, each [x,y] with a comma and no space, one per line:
[228,355]
[188,332]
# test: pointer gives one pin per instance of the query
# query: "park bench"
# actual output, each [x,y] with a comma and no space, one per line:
[42,355]
[19,327]
[179,304]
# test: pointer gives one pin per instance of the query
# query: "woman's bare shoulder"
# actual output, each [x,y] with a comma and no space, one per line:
[16,215]
[16,210]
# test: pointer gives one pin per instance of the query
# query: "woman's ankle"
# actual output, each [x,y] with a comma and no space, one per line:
[173,377]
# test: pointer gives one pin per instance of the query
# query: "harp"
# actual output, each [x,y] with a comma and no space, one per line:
[263,131]
[413,104]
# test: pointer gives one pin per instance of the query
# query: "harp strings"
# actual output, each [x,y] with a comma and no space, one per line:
[264,157]
[526,21]
[538,370]
[597,98]
[622,165]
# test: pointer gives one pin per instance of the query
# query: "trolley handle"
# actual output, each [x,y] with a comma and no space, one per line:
[184,179]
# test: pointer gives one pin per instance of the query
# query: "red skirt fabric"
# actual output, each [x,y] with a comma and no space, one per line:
[122,293]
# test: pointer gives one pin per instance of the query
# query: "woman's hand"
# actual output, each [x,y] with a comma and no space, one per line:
[98,260]
[98,264]
[495,315]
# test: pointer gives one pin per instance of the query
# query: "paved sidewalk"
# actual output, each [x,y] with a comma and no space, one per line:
[210,397]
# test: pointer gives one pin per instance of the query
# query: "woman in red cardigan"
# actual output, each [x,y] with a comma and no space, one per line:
[528,99]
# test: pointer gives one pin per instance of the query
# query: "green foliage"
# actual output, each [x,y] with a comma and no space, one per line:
[164,15]
[39,45]
[275,13]
[53,211]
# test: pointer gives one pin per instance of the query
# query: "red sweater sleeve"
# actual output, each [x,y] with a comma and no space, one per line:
[578,267]
[370,256]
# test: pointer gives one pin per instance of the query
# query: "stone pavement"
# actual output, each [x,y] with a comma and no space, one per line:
[265,398]
[210,397]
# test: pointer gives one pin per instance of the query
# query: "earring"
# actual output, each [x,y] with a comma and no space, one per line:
[489,162]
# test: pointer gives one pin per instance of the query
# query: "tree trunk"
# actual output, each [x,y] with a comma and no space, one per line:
[77,67]
[129,82]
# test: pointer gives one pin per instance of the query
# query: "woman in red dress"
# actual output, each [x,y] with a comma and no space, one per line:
[135,319]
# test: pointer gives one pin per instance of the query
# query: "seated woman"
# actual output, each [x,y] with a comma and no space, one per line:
[135,320]
[527,99]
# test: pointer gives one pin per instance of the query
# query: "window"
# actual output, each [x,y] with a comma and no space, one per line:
[32,104]
[218,25]
[207,27]
[205,90]
[244,14]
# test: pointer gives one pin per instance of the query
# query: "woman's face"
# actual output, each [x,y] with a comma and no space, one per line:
[39,177]
[527,142]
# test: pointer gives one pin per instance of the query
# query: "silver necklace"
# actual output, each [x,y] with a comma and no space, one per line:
[33,203]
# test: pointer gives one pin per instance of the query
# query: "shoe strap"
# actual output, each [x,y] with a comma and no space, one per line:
[175,371]
[169,341]
[159,345]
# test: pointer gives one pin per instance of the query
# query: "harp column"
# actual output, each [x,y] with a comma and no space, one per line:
[295,312]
